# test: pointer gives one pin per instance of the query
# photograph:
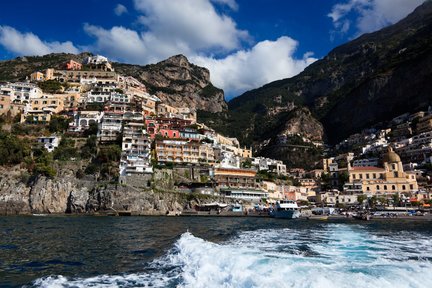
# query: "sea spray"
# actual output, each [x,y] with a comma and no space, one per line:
[335,255]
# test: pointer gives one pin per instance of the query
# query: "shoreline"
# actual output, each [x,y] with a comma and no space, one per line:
[324,218]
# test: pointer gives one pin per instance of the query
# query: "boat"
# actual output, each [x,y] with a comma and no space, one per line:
[286,209]
[238,208]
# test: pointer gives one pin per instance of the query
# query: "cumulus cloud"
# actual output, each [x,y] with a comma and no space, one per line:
[192,23]
[30,44]
[232,4]
[194,28]
[247,69]
[369,15]
[120,10]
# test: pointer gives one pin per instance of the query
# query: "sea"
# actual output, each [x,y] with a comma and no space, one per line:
[88,251]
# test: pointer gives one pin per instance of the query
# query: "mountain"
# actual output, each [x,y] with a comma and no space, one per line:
[371,79]
[179,83]
[176,81]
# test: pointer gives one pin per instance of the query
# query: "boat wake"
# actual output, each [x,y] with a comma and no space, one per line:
[337,255]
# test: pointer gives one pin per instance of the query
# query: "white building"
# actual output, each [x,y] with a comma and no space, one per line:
[20,92]
[50,143]
[271,165]
[136,156]
[83,119]
[110,127]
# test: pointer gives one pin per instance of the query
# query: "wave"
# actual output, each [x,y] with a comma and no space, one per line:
[336,255]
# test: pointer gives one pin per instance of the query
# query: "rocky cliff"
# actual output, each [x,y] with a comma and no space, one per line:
[179,83]
[68,194]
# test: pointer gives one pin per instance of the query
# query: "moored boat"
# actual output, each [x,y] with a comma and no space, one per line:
[286,209]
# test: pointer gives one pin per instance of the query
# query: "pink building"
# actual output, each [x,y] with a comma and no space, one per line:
[73,65]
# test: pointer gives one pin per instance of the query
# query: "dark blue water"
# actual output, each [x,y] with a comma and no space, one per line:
[156,251]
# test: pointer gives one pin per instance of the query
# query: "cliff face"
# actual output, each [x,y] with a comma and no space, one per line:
[371,79]
[68,194]
[179,83]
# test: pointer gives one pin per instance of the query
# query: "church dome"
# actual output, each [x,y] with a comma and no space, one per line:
[391,156]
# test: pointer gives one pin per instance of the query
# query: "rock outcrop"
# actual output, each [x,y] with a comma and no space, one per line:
[179,83]
[65,193]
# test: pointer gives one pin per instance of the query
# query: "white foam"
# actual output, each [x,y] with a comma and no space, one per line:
[335,256]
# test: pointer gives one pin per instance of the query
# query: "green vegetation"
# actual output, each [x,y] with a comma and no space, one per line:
[58,124]
[13,150]
[52,86]
[106,162]
[66,150]
[210,91]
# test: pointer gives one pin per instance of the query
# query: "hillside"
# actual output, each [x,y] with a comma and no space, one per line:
[370,79]
[175,81]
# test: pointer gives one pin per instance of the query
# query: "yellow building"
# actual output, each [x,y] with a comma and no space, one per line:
[37,76]
[387,180]
[235,177]
[179,151]
[45,103]
[5,102]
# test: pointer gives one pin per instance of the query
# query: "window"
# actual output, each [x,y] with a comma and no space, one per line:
[367,188]
[354,176]
[377,187]
[411,186]
[374,175]
[385,187]
[361,176]
[367,176]
[393,187]
[403,187]
[395,174]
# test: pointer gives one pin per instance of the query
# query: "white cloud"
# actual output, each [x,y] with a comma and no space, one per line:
[232,4]
[247,69]
[192,23]
[30,44]
[194,28]
[370,15]
[120,10]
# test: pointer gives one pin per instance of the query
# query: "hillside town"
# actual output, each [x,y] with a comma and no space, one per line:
[387,166]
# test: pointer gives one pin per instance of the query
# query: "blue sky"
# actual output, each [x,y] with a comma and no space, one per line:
[244,43]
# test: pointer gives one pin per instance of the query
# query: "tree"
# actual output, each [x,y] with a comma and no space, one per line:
[13,150]
[396,199]
[92,130]
[361,198]
[58,124]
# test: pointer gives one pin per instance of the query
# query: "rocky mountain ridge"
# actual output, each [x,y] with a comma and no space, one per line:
[371,79]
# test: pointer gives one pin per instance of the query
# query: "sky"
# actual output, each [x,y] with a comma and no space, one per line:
[244,43]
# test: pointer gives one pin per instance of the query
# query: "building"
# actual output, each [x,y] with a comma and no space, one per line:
[20,92]
[271,165]
[110,127]
[50,143]
[72,65]
[177,151]
[424,124]
[98,62]
[239,184]
[368,162]
[5,104]
[37,76]
[83,119]
[382,181]
[136,156]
